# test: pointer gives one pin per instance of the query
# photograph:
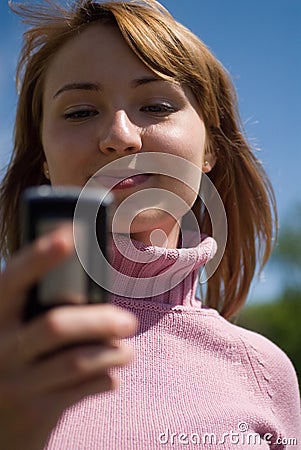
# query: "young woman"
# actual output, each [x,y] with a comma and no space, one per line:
[106,91]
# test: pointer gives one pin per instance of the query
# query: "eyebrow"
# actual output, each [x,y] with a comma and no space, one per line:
[82,86]
[145,80]
[89,86]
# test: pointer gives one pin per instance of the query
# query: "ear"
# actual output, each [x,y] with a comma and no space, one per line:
[46,170]
[209,162]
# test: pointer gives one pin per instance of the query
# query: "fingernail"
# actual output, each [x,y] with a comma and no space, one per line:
[63,238]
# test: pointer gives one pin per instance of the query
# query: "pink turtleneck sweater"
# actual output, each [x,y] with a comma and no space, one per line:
[197,380]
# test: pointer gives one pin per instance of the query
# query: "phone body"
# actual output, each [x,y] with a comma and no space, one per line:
[43,209]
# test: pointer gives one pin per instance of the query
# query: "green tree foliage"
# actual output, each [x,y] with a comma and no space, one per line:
[280,320]
[287,254]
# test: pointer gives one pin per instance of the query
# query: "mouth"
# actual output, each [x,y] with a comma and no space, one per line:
[116,181]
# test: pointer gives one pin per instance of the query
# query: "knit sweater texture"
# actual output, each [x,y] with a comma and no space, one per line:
[197,381]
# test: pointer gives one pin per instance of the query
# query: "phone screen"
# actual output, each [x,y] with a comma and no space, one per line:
[43,209]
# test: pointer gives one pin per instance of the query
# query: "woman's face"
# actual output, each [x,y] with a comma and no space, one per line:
[100,104]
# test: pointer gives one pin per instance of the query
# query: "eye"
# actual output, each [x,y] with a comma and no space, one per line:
[80,114]
[159,109]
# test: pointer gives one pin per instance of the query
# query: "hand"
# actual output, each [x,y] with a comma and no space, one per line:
[59,357]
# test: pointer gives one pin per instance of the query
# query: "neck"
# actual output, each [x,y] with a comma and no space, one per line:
[160,275]
[167,236]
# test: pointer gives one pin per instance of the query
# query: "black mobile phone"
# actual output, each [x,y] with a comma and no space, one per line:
[43,209]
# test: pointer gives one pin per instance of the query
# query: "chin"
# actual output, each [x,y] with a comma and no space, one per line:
[144,222]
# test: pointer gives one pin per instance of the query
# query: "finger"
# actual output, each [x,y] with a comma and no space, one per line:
[68,325]
[34,417]
[73,367]
[29,265]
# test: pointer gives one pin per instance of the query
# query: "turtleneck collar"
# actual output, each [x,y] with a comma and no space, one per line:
[159,274]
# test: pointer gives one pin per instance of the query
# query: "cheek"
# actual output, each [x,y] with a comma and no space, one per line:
[194,141]
[184,193]
[185,138]
[61,145]
[65,157]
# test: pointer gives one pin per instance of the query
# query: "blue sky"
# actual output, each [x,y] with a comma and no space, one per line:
[259,43]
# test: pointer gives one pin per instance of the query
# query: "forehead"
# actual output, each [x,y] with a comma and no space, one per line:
[98,51]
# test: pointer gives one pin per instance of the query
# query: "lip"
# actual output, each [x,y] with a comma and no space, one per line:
[125,180]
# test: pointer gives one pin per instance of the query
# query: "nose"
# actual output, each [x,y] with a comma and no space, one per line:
[122,136]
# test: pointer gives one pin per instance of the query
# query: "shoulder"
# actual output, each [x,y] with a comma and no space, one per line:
[265,356]
[274,373]
[272,359]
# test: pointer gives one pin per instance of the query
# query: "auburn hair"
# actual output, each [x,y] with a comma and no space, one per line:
[173,52]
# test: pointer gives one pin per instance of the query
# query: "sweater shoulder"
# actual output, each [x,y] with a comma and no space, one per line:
[274,373]
[265,357]
[264,348]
